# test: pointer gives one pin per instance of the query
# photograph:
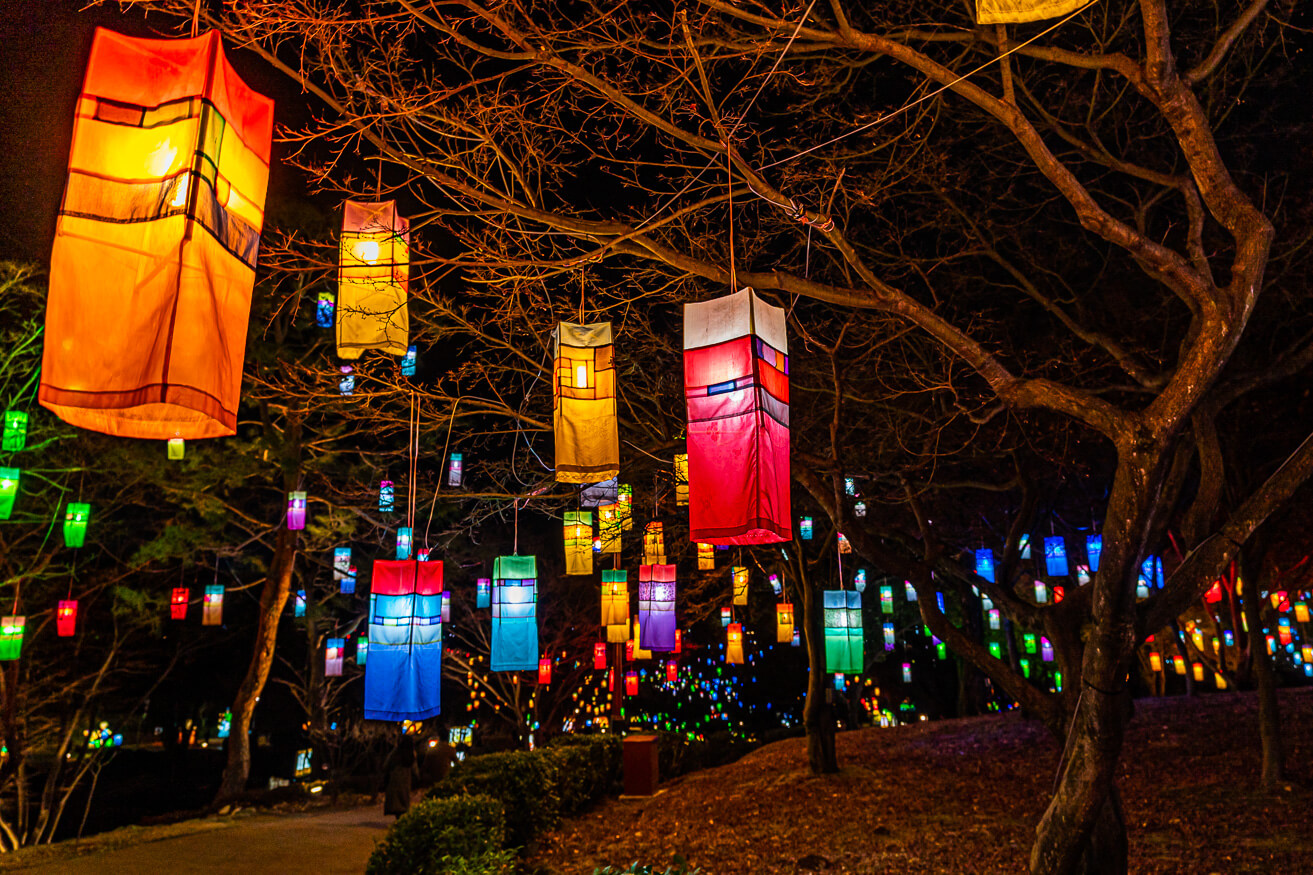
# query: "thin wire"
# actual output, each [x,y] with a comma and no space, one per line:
[195,19]
[445,447]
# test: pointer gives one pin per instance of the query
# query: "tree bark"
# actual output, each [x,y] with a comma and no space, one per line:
[273,598]
[817,717]
[1269,712]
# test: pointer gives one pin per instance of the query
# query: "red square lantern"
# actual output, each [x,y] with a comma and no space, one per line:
[545,671]
[178,604]
[679,641]
[599,655]
[672,671]
[631,683]
[66,618]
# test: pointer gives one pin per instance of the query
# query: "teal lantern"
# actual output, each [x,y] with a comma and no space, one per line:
[8,491]
[843,631]
[11,637]
[403,542]
[15,433]
[805,528]
[362,649]
[76,518]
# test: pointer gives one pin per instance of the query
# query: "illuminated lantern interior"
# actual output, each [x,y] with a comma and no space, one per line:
[212,605]
[545,671]
[726,614]
[584,413]
[14,436]
[1093,550]
[654,544]
[76,518]
[681,480]
[843,631]
[403,678]
[778,588]
[446,606]
[296,510]
[373,279]
[739,578]
[706,557]
[783,623]
[734,644]
[178,603]
[1055,557]
[11,637]
[66,618]
[514,614]
[886,599]
[1155,661]
[8,491]
[578,542]
[324,306]
[333,653]
[889,639]
[156,242]
[656,607]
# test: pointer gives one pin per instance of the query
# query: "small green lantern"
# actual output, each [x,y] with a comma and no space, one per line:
[11,637]
[75,523]
[1028,642]
[995,650]
[15,433]
[8,491]
[177,449]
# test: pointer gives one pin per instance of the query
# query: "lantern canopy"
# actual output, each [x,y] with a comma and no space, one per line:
[156,241]
[333,653]
[178,603]
[737,388]
[76,517]
[66,618]
[373,277]
[843,631]
[587,436]
[11,637]
[296,510]
[1022,11]
[783,623]
[656,607]
[8,491]
[212,607]
[403,677]
[615,605]
[514,614]
[14,436]
[734,644]
[578,542]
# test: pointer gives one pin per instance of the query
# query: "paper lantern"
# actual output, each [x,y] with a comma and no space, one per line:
[403,678]
[346,385]
[859,510]
[909,591]
[726,614]
[734,644]
[212,605]
[631,683]
[679,642]
[739,578]
[404,534]
[11,637]
[409,361]
[156,241]
[1055,556]
[609,526]
[843,631]
[483,593]
[373,275]
[1029,642]
[599,655]
[324,306]
[886,599]
[778,588]
[995,621]
[797,637]
[859,581]
[985,563]
[1082,575]
[907,672]
[737,388]
[386,496]
[176,449]
[446,606]
[298,603]
[1041,592]
[514,614]
[599,494]
[615,605]
[805,528]
[545,671]
[783,623]
[1046,649]
[706,557]
[333,652]
[14,436]
[1198,670]
[889,637]
[1155,661]
[995,649]
[76,517]
[1284,634]
[1301,608]
[629,646]
[1152,571]
[844,546]
[296,510]
[672,671]
[422,554]
[1022,11]
[654,544]
[66,618]
[625,506]
[1093,550]
[1023,546]
[178,603]
[578,542]
[362,650]
[656,607]
[1141,589]
[584,415]
[456,470]
[8,491]
[681,480]
[344,573]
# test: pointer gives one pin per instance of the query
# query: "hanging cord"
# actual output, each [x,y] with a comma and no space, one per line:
[445,447]
[515,548]
[412,451]
[195,19]
[72,574]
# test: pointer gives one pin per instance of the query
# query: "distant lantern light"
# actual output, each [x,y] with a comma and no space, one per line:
[672,671]
[805,528]
[66,618]
[14,437]
[1023,546]
[1155,661]
[344,573]
[387,500]
[783,623]
[1082,575]
[8,491]
[446,606]
[11,637]
[296,510]
[859,582]
[679,642]
[681,480]
[76,518]
[631,683]
[483,593]
[797,637]
[362,650]
[599,655]
[654,544]
[1029,642]
[734,644]
[1041,592]
[907,672]
[456,470]
[212,606]
[889,638]
[1198,670]
[408,361]
[545,671]
[324,306]
[995,650]
[706,557]
[775,585]
[333,652]
[1046,649]
[886,599]
[177,449]
[909,590]
[578,531]
[859,510]
[1301,612]
[985,563]
[726,614]
[995,621]
[1093,550]
[740,576]
[404,534]
[625,506]
[1055,556]
[347,384]
[178,603]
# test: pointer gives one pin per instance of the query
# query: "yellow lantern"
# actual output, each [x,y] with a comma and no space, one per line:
[373,280]
[784,623]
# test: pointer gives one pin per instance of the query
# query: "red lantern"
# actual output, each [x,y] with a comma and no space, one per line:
[672,671]
[178,605]
[610,680]
[631,683]
[629,650]
[679,642]
[545,671]
[66,618]
[599,655]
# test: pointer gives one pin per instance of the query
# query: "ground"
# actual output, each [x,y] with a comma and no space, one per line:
[964,796]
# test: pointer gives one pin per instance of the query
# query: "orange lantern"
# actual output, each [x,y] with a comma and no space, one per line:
[1198,671]
[1301,612]
[1155,661]
[373,279]
[734,644]
[156,241]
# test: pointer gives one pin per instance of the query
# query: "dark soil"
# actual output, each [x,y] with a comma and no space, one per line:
[963,796]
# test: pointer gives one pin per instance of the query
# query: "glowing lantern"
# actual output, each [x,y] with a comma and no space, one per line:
[1301,608]
[346,385]
[409,361]
[76,517]
[1284,634]
[1152,571]
[850,487]
[615,605]
[386,496]
[446,606]
[344,573]
[706,557]
[609,527]
[1306,653]
[324,306]
[545,671]
[844,546]
[726,614]
[1141,589]
[11,637]
[672,671]
[404,535]
[1029,642]
[859,582]
[373,275]
[907,672]
[909,591]
[736,385]
[995,650]
[1022,11]
[886,599]
[212,605]
[1041,592]
[1198,668]
[584,416]
[995,621]
[1025,667]
[578,542]
[783,623]
[403,678]
[797,637]
[599,655]
[777,587]
[654,544]
[296,510]
[1059,594]
[681,480]
[155,246]
[333,653]
[629,646]
[1214,593]
[1219,681]
[298,604]
[8,491]
[1155,661]
[515,614]
[631,683]
[859,510]
[599,494]
[843,631]
[66,618]
[624,507]
[483,593]
[175,449]
[456,470]
[656,607]
[1055,556]
[679,642]
[14,436]
[178,603]
[1023,546]
[362,650]
[734,644]
[740,580]
[805,528]
[1046,649]
[1082,575]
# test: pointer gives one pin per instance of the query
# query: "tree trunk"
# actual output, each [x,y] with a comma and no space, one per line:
[816,713]
[272,600]
[1269,713]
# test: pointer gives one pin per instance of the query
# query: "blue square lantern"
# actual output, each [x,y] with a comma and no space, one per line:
[1055,556]
[403,543]
[1093,549]
[483,593]
[298,607]
[985,563]
[324,307]
[408,362]
[515,614]
[805,528]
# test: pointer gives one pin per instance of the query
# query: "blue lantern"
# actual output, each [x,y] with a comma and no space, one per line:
[1093,549]
[408,362]
[1055,556]
[985,563]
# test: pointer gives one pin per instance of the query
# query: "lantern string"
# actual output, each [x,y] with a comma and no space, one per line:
[451,421]
[515,549]
[195,18]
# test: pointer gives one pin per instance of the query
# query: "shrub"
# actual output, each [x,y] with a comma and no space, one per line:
[434,834]
[680,868]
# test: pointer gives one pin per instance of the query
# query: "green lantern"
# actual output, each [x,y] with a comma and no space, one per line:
[1028,642]
[15,433]
[11,636]
[8,491]
[75,523]
[177,449]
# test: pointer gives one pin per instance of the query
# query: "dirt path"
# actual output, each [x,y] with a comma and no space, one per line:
[333,843]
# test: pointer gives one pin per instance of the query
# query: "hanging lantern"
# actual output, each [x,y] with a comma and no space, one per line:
[909,591]
[456,470]
[629,645]
[907,672]
[726,614]
[176,449]
[734,644]
[672,671]
[995,649]
[679,642]
[599,494]
[886,599]
[1041,592]
[409,360]
[1046,649]
[615,605]
[11,637]
[14,436]
[888,637]
[545,671]
[1301,608]
[1198,670]
[656,607]
[625,506]
[373,276]
[844,546]
[843,631]
[324,306]
[76,518]
[66,618]
[344,573]
[737,388]
[797,637]
[578,542]
[347,384]
[296,510]
[446,606]
[706,557]
[8,491]
[404,534]
[739,577]
[1023,547]
[584,414]
[1055,556]
[1093,550]
[212,606]
[514,614]
[155,245]
[386,496]
[654,544]
[1141,589]
[1023,11]
[1155,661]
[1082,575]
[859,582]
[599,655]
[775,585]
[403,679]
[609,527]
[333,653]
[631,683]
[298,604]
[859,510]
[1029,642]
[681,480]
[483,593]
[178,603]
[362,650]
[783,623]
[985,563]
[995,621]
[805,528]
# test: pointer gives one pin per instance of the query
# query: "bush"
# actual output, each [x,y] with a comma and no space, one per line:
[680,868]
[444,837]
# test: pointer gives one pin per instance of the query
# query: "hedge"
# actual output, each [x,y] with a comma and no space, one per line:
[461,835]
